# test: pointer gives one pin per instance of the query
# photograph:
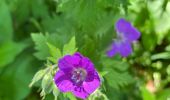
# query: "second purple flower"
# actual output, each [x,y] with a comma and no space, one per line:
[126,34]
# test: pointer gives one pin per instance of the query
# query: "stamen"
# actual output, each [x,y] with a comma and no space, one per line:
[78,75]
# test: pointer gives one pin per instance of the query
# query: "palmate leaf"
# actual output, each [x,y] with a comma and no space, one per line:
[40,45]
[117,74]
[117,80]
[48,43]
[100,14]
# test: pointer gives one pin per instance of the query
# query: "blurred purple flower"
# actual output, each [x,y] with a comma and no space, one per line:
[126,34]
[77,75]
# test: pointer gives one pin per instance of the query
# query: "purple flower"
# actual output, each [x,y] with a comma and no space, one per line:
[126,34]
[77,74]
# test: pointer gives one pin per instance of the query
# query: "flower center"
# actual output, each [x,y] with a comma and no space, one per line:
[78,75]
[120,38]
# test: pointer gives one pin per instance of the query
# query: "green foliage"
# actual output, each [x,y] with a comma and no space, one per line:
[9,50]
[55,28]
[6,30]
[16,78]
[54,52]
[70,48]
[46,75]
[41,47]
[163,95]
[117,75]
[147,95]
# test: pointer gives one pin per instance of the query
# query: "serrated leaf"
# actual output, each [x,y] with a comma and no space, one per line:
[41,41]
[117,80]
[117,75]
[118,65]
[70,47]
[40,45]
[55,53]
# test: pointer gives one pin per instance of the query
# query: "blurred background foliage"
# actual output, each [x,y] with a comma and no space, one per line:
[31,30]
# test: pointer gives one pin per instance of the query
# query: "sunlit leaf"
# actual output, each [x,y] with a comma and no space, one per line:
[70,47]
[55,53]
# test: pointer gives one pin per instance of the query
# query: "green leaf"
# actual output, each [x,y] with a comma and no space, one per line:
[149,44]
[55,53]
[163,55]
[115,64]
[117,80]
[146,94]
[8,51]
[41,41]
[164,94]
[17,78]
[70,96]
[70,47]
[6,29]
[167,48]
[40,45]
[117,75]
[90,48]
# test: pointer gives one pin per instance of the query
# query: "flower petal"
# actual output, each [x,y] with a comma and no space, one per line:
[80,92]
[64,64]
[124,27]
[122,47]
[125,49]
[78,54]
[112,51]
[87,64]
[91,86]
[75,59]
[63,81]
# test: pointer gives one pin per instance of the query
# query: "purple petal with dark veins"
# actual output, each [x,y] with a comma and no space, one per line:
[63,82]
